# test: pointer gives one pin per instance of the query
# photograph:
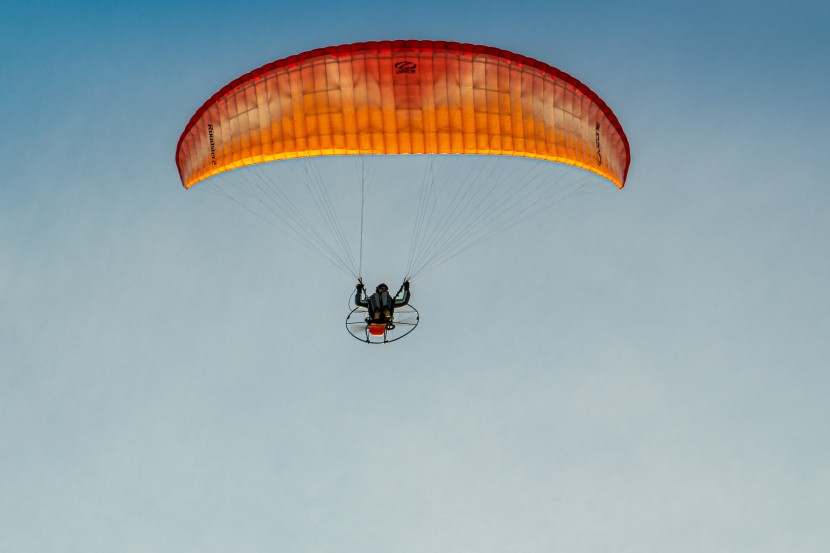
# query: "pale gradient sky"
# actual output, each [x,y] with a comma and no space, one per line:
[160,389]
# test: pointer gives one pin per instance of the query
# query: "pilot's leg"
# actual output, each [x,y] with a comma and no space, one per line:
[381,304]
[374,307]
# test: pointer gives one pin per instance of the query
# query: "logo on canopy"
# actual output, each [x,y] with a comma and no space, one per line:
[405,67]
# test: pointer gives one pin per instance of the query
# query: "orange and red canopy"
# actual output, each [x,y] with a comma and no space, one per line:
[403,97]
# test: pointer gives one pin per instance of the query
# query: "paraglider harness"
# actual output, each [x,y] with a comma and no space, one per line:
[381,306]
[393,319]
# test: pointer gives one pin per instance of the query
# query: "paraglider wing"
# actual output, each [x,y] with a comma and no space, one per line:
[403,97]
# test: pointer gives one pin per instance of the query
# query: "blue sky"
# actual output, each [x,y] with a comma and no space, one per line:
[644,370]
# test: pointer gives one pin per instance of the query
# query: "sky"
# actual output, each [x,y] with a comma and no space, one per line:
[639,371]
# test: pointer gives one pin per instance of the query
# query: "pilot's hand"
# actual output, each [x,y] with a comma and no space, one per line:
[406,285]
[359,286]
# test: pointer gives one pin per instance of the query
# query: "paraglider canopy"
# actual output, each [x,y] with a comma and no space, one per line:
[403,97]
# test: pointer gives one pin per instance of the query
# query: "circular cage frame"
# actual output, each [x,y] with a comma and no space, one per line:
[404,320]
